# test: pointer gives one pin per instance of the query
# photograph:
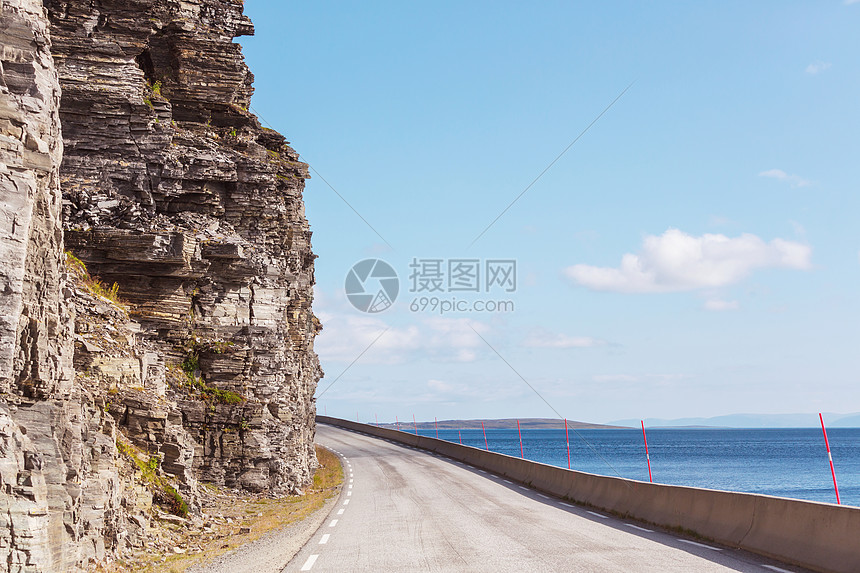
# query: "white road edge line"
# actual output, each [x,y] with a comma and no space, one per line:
[699,544]
[639,528]
[565,504]
[309,563]
[346,502]
[543,496]
[506,481]
[324,538]
[775,568]
[333,523]
[340,511]
[597,515]
[349,492]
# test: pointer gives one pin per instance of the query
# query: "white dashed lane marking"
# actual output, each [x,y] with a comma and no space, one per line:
[340,511]
[597,515]
[333,523]
[324,538]
[309,563]
[639,528]
[565,504]
[775,568]
[543,496]
[346,502]
[698,544]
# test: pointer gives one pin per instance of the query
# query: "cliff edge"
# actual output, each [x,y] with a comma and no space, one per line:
[156,268]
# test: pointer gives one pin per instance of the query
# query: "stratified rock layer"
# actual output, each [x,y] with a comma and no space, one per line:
[175,192]
[60,490]
[172,190]
[34,332]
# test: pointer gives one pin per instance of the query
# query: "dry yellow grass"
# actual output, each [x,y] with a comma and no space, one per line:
[259,515]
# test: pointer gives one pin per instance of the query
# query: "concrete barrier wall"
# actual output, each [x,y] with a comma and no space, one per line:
[820,536]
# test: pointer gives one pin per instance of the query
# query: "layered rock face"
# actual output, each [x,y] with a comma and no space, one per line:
[173,191]
[60,487]
[34,334]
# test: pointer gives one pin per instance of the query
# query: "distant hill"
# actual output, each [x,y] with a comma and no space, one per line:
[751,421]
[503,424]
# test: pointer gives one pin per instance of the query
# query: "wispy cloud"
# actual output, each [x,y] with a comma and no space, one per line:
[541,338]
[676,261]
[718,305]
[779,174]
[658,379]
[848,2]
[615,378]
[446,339]
[818,67]
[720,221]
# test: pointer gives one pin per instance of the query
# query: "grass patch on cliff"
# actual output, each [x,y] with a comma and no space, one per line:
[79,270]
[254,515]
[191,366]
[162,491]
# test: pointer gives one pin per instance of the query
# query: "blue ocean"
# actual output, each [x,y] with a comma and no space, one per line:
[783,462]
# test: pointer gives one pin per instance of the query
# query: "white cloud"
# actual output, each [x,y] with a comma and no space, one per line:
[848,2]
[615,378]
[541,338]
[779,174]
[676,261]
[659,379]
[818,67]
[721,305]
[346,335]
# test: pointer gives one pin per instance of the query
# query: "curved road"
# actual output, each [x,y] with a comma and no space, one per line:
[409,510]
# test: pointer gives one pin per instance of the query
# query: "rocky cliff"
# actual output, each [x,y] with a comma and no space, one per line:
[193,348]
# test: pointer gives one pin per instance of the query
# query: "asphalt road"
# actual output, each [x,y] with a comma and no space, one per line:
[408,510]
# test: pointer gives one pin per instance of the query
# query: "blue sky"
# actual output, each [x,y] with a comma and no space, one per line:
[695,253]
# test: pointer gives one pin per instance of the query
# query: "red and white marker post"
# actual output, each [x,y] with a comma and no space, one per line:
[522,454]
[415,424]
[486,443]
[647,457]
[460,435]
[829,457]
[567,438]
[396,422]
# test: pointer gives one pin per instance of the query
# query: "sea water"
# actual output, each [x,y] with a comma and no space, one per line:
[783,462]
